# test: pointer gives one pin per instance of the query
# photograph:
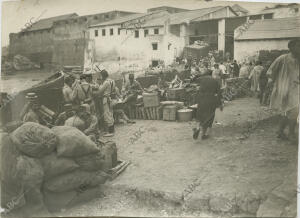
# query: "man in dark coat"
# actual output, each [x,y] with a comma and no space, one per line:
[208,98]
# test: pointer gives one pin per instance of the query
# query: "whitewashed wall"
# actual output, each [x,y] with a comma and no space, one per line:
[125,52]
[249,48]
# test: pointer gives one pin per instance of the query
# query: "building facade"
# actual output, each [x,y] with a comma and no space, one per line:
[37,41]
[273,34]
[58,41]
[139,41]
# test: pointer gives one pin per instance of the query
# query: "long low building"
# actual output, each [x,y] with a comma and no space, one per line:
[136,42]
[273,34]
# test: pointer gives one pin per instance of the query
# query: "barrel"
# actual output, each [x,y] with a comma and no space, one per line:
[184,115]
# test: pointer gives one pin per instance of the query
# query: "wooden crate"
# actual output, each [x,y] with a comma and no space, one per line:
[177,94]
[169,113]
[151,99]
[148,113]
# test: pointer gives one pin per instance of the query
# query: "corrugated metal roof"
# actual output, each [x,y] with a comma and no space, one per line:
[48,22]
[272,29]
[119,20]
[187,16]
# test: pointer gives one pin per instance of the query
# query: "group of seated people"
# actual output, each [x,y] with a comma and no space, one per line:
[89,104]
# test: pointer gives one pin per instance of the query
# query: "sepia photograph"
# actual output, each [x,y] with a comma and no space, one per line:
[149,108]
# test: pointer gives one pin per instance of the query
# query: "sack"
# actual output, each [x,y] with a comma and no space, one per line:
[35,206]
[91,162]
[54,166]
[57,201]
[34,139]
[12,126]
[75,121]
[76,180]
[12,195]
[73,143]
[29,172]
[9,155]
[11,187]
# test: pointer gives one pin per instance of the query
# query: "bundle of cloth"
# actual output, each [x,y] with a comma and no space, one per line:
[45,170]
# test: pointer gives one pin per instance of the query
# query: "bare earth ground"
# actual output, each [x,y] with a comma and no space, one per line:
[243,169]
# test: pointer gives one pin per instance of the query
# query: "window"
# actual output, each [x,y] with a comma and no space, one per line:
[96,33]
[146,32]
[136,34]
[156,31]
[154,63]
[106,16]
[196,32]
[119,31]
[296,10]
[154,46]
[111,31]
[103,32]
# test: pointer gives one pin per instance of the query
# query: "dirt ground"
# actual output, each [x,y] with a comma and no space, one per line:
[241,170]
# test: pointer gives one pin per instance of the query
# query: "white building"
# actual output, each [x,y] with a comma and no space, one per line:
[136,41]
[273,34]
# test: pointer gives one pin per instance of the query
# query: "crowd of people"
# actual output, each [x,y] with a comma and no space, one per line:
[275,84]
[94,102]
[91,104]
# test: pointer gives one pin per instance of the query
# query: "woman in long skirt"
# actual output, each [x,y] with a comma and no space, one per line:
[209,99]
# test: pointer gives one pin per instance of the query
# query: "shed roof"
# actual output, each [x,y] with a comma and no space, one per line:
[237,7]
[272,29]
[188,16]
[48,22]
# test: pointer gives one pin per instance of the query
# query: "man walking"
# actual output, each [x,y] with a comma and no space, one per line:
[209,98]
[284,76]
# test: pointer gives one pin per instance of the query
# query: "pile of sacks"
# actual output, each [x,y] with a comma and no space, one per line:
[46,169]
[236,88]
[23,63]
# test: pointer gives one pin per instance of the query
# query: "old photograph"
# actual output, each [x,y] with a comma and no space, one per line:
[149,108]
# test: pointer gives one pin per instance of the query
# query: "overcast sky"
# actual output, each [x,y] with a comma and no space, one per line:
[15,14]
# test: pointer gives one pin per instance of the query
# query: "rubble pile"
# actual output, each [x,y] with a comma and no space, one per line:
[44,170]
[236,88]
[23,63]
